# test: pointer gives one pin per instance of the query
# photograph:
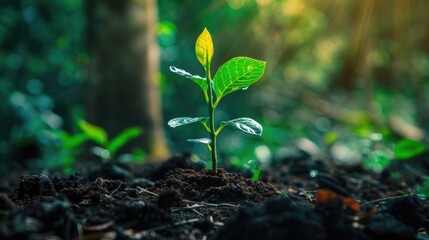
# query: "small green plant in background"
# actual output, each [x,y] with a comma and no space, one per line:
[423,190]
[236,74]
[251,166]
[407,148]
[379,158]
[71,146]
[107,149]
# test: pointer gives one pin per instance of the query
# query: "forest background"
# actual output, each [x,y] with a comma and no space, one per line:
[344,79]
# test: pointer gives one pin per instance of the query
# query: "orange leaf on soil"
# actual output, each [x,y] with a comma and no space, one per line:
[351,203]
[324,196]
[365,217]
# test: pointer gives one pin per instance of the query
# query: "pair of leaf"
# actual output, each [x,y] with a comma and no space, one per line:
[246,125]
[237,73]
[99,135]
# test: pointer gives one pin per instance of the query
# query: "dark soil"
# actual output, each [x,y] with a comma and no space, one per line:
[297,198]
[220,188]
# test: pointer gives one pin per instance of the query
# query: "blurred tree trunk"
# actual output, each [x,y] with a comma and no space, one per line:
[355,51]
[424,94]
[123,89]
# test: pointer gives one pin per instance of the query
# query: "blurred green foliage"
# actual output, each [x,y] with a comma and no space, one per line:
[339,73]
[43,67]
[407,148]
[423,189]
[107,148]
[69,148]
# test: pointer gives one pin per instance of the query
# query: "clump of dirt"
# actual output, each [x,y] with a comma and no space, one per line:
[74,207]
[280,218]
[34,186]
[284,217]
[169,198]
[222,187]
[399,218]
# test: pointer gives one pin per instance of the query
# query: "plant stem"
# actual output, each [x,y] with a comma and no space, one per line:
[211,119]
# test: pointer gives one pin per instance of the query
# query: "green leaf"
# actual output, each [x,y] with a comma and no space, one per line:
[204,48]
[138,155]
[246,125]
[62,135]
[123,138]
[101,152]
[197,79]
[177,122]
[423,189]
[256,174]
[377,162]
[93,132]
[201,140]
[407,148]
[71,142]
[76,140]
[238,73]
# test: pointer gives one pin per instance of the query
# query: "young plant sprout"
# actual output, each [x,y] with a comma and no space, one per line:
[237,73]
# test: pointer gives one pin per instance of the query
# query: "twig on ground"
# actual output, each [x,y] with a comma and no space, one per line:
[213,204]
[384,199]
[116,189]
[196,205]
[140,190]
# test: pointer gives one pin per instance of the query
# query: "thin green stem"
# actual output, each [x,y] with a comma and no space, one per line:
[206,127]
[219,129]
[211,119]
[217,102]
[206,97]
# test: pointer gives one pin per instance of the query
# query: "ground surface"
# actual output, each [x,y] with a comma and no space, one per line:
[297,198]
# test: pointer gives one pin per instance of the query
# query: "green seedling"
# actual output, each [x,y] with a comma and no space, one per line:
[106,148]
[251,166]
[70,148]
[236,74]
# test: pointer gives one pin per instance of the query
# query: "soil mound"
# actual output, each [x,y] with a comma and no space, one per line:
[220,188]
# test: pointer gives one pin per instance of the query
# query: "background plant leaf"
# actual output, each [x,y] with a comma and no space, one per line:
[71,142]
[123,138]
[246,125]
[407,148]
[93,132]
[200,140]
[423,190]
[236,74]
[180,121]
[200,81]
[204,48]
